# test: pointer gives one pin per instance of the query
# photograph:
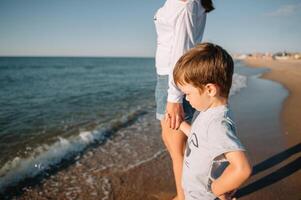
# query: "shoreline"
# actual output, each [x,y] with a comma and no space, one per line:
[276,173]
[288,74]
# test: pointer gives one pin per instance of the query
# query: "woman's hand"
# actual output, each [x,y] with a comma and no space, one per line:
[175,112]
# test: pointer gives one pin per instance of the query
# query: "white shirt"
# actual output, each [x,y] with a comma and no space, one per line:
[213,133]
[180,26]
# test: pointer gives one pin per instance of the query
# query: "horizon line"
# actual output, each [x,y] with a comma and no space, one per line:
[72,56]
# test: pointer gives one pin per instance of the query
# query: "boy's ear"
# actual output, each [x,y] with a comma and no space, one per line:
[211,89]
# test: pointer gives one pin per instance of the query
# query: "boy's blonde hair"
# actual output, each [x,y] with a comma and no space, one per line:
[206,63]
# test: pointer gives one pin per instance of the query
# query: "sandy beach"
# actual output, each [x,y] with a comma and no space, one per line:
[80,84]
[270,132]
[282,179]
[274,152]
[288,73]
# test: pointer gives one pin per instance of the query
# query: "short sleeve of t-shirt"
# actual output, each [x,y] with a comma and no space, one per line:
[222,137]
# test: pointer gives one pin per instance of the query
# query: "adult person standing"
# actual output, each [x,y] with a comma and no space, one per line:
[180,26]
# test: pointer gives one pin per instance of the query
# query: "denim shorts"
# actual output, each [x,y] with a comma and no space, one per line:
[161,99]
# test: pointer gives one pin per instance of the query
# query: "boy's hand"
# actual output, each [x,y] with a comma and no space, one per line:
[185,128]
[227,196]
[235,174]
[175,112]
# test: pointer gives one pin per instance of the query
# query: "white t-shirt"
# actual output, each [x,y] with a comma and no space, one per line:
[180,26]
[213,133]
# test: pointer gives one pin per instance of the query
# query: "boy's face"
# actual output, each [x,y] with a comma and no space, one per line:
[200,100]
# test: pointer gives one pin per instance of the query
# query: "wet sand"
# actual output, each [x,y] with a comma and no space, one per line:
[276,161]
[288,73]
[274,154]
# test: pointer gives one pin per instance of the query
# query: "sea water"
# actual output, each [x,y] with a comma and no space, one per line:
[52,108]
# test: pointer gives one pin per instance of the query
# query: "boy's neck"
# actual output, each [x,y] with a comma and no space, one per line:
[218,101]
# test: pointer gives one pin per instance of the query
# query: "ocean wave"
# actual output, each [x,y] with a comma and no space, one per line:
[45,156]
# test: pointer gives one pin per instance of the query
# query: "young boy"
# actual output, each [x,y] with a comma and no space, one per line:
[215,164]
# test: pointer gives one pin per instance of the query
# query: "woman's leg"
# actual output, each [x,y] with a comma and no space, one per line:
[175,143]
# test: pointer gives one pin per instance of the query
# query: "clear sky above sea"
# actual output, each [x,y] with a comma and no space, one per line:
[125,28]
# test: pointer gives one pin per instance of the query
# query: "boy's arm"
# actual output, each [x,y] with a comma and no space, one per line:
[185,127]
[237,172]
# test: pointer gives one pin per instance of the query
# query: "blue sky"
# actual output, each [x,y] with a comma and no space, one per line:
[125,28]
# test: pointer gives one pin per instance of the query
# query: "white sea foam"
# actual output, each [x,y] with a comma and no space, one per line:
[106,188]
[42,158]
[140,162]
[238,82]
[46,156]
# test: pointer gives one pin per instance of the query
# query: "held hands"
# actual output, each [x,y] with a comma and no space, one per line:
[174,115]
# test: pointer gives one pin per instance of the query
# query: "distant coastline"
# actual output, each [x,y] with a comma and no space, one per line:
[72,56]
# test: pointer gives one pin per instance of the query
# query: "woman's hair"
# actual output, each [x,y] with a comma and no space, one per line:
[208,5]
